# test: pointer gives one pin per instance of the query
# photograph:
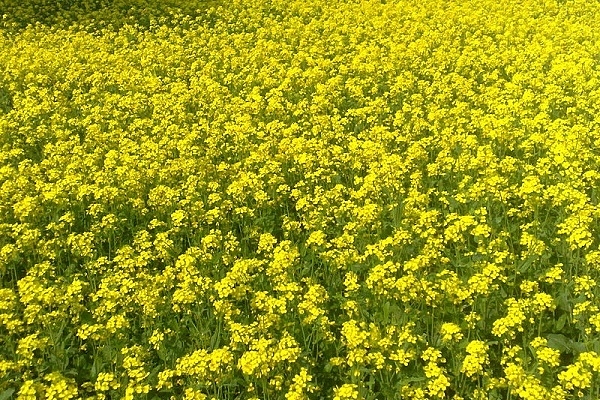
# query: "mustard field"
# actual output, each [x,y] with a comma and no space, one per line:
[291,199]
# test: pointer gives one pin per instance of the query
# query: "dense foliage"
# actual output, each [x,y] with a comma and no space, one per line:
[285,199]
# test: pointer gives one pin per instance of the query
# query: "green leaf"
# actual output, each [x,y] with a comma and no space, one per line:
[558,342]
[413,379]
[578,347]
[564,344]
[386,311]
[563,302]
[560,323]
[7,394]
[526,265]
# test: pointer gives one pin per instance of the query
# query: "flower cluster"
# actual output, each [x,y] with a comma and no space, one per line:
[299,199]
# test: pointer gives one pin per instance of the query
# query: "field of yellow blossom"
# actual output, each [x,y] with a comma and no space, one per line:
[291,199]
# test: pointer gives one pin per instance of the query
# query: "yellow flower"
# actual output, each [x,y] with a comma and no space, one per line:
[575,376]
[106,381]
[27,391]
[346,392]
[476,358]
